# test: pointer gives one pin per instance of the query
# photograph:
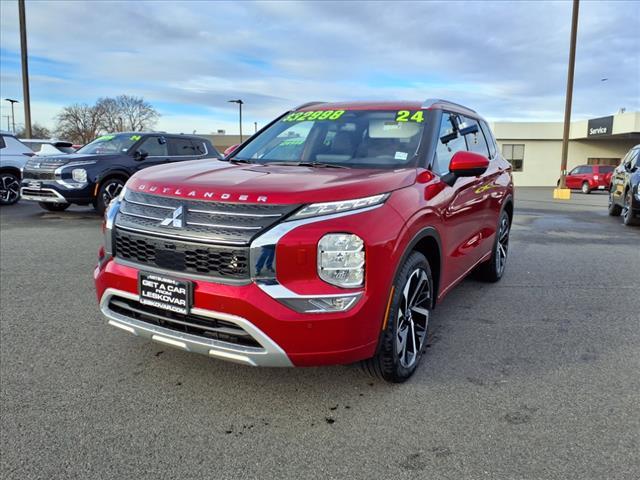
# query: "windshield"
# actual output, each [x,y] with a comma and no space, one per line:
[351,138]
[119,143]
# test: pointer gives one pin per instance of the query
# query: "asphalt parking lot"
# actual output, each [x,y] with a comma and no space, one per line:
[532,378]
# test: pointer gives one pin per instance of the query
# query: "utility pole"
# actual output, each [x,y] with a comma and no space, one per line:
[569,96]
[240,103]
[13,116]
[8,128]
[25,70]
[255,127]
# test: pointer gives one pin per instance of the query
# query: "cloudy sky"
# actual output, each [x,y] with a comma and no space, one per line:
[505,59]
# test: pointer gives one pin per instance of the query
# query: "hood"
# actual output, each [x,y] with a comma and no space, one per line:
[223,181]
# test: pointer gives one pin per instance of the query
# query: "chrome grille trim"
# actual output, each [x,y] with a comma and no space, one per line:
[202,221]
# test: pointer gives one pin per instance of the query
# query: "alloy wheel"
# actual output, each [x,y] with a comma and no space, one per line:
[9,189]
[111,191]
[502,247]
[413,317]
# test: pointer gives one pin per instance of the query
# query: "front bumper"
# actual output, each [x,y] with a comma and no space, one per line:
[269,355]
[287,337]
[50,191]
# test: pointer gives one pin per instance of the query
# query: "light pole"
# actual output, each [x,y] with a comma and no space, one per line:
[13,117]
[25,69]
[567,106]
[240,103]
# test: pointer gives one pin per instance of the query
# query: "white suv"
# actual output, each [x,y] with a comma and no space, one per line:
[13,156]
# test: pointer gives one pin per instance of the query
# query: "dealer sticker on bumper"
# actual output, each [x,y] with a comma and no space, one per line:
[164,292]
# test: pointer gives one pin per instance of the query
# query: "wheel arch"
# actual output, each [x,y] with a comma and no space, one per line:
[13,170]
[427,242]
[120,174]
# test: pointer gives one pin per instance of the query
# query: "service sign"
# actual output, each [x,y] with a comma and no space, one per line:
[600,126]
[164,292]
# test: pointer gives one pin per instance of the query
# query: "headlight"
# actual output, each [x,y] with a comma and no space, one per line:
[328,208]
[341,259]
[79,175]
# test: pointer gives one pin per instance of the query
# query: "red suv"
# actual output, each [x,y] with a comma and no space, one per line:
[590,177]
[327,238]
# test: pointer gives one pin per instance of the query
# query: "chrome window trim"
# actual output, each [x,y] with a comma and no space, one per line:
[270,355]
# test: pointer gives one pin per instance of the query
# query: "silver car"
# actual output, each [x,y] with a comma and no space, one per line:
[13,156]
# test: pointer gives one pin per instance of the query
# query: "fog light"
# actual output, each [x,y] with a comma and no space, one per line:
[79,175]
[322,304]
[341,259]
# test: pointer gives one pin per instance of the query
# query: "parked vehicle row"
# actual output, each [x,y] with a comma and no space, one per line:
[329,237]
[96,173]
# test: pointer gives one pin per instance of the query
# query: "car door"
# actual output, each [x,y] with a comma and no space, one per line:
[572,178]
[465,211]
[155,151]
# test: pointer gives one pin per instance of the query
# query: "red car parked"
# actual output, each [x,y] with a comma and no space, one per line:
[326,238]
[590,177]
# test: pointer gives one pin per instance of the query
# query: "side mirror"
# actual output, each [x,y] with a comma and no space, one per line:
[468,164]
[230,150]
[140,155]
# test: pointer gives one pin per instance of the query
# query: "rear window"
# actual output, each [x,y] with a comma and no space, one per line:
[606,169]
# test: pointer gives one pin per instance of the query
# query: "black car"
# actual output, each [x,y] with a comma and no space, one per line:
[96,173]
[624,197]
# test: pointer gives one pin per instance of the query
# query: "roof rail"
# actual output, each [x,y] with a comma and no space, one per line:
[429,102]
[308,104]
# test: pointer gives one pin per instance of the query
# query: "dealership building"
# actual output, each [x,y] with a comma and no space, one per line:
[534,148]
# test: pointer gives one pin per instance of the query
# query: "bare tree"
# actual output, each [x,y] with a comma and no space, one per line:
[134,114]
[79,123]
[37,131]
[111,120]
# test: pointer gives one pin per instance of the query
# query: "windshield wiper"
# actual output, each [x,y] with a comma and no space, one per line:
[307,164]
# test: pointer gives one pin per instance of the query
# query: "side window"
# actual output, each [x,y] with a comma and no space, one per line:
[634,159]
[182,147]
[514,154]
[199,147]
[154,146]
[2,144]
[475,141]
[587,169]
[575,171]
[491,141]
[449,142]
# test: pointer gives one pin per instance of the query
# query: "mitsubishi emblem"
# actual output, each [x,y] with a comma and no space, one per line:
[176,219]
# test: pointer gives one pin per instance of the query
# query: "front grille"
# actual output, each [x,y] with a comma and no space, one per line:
[32,192]
[211,222]
[211,260]
[220,330]
[38,174]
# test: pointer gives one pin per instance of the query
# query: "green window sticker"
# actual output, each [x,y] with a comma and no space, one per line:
[106,138]
[408,116]
[314,115]
[135,138]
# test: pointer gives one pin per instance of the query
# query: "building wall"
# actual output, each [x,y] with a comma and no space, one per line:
[541,166]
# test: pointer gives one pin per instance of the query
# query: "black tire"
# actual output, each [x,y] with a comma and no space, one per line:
[493,269]
[54,207]
[614,209]
[396,360]
[9,188]
[586,189]
[109,189]
[628,218]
